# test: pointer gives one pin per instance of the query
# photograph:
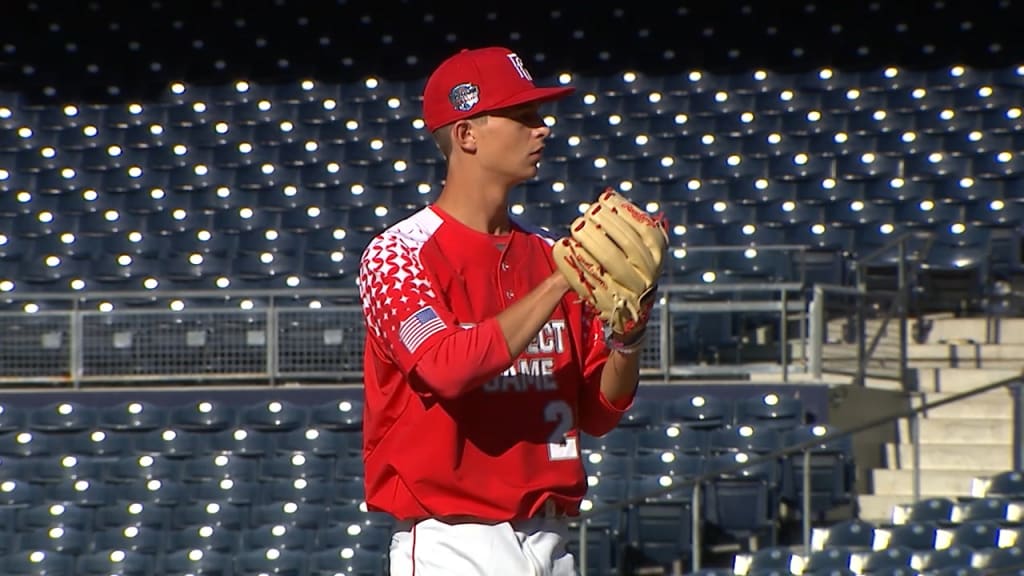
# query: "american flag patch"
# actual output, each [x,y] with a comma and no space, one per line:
[421,325]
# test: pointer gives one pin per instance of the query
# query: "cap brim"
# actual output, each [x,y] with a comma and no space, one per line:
[535,95]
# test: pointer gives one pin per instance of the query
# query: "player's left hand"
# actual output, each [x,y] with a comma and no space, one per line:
[613,259]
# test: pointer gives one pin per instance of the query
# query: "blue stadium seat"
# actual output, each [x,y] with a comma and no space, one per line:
[277,536]
[673,438]
[12,418]
[65,416]
[105,561]
[744,438]
[886,560]
[195,561]
[1006,484]
[974,535]
[947,559]
[298,514]
[24,443]
[292,466]
[936,509]
[323,443]
[913,536]
[130,538]
[169,442]
[742,500]
[194,514]
[660,527]
[34,562]
[608,464]
[340,559]
[828,562]
[273,416]
[144,467]
[44,515]
[990,508]
[853,534]
[771,409]
[212,467]
[63,540]
[998,559]
[616,441]
[203,416]
[340,415]
[132,416]
[122,513]
[832,470]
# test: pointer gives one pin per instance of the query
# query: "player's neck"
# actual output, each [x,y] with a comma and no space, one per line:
[476,205]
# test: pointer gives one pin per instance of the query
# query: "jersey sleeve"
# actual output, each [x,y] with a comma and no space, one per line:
[598,415]
[414,327]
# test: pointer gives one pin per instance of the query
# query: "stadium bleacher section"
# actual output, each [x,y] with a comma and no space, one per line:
[152,148]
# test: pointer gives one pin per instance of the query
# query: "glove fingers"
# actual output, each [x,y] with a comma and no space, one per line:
[605,252]
[599,290]
[651,233]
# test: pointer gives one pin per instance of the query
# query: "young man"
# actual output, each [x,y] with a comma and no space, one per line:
[481,365]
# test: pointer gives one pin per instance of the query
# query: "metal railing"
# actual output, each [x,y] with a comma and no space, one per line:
[280,338]
[697,483]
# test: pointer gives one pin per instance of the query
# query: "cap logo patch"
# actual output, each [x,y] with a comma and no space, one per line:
[464,96]
[517,62]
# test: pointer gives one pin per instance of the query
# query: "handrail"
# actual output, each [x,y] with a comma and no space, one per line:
[892,243]
[695,482]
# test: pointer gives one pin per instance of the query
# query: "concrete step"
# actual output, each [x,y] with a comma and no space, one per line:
[1007,330]
[971,457]
[878,507]
[961,379]
[933,482]
[959,431]
[991,405]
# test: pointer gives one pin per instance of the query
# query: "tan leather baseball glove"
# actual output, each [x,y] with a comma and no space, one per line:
[613,259]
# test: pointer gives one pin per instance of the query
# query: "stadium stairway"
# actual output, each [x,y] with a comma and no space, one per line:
[959,441]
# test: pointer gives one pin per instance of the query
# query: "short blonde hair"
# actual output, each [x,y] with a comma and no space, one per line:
[443,135]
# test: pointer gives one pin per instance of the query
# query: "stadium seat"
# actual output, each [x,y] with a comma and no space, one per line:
[106,561]
[828,562]
[298,514]
[937,509]
[673,438]
[169,442]
[781,411]
[947,559]
[203,416]
[742,500]
[700,411]
[832,470]
[1006,484]
[340,415]
[212,467]
[340,559]
[885,560]
[854,534]
[62,417]
[191,516]
[195,561]
[273,416]
[33,562]
[970,536]
[44,515]
[132,416]
[121,514]
[130,538]
[62,540]
[914,536]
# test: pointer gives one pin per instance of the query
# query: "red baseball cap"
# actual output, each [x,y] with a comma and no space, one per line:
[480,80]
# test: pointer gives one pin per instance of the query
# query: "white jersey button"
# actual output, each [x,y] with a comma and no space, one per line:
[509,294]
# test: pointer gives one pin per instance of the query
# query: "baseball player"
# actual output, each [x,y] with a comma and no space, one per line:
[490,346]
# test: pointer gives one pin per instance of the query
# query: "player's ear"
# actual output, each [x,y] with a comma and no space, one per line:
[464,136]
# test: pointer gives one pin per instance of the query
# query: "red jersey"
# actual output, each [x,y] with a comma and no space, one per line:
[453,425]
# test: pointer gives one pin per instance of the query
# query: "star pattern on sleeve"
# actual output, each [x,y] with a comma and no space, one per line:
[392,285]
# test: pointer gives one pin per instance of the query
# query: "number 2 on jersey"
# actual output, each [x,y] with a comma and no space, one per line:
[560,446]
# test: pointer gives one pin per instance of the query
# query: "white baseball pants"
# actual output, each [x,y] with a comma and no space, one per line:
[533,547]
